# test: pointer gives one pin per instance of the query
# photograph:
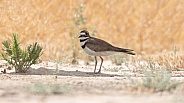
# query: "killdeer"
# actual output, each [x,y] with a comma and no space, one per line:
[97,47]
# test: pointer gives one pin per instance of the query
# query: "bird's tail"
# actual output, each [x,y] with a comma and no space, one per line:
[127,51]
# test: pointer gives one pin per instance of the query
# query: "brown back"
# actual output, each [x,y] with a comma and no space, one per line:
[99,45]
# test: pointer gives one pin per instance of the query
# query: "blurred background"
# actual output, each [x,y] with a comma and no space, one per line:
[146,26]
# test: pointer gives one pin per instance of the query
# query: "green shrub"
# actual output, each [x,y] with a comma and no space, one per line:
[20,59]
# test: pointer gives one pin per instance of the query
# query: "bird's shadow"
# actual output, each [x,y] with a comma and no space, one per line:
[47,71]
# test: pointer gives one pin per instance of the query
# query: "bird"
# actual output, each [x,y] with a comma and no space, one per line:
[98,47]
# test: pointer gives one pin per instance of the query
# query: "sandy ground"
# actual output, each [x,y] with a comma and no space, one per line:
[82,86]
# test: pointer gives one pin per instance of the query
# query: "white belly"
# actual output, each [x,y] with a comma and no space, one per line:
[105,53]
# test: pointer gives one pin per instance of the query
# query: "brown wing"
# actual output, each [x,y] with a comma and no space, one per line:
[98,45]
[101,45]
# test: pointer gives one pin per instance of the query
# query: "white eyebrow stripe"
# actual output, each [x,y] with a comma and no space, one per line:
[82,33]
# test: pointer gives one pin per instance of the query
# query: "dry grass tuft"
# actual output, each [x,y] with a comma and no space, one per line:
[172,61]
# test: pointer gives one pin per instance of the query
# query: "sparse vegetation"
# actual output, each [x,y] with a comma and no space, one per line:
[48,89]
[118,59]
[20,59]
[157,78]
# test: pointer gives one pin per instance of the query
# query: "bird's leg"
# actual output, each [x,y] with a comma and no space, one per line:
[100,64]
[95,64]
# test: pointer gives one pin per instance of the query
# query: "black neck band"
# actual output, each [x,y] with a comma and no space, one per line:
[83,46]
[81,40]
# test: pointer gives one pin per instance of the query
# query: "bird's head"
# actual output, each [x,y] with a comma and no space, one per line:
[84,34]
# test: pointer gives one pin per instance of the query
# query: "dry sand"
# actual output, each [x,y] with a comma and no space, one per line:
[82,86]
